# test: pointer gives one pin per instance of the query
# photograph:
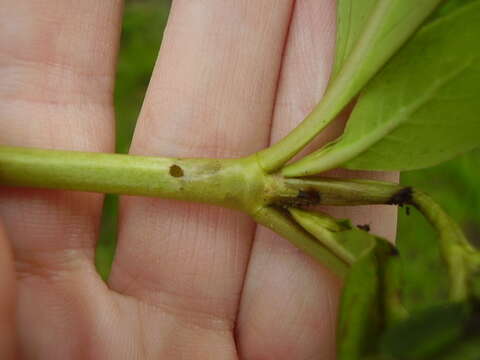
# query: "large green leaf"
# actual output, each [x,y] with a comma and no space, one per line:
[352,16]
[448,7]
[390,24]
[361,317]
[421,109]
[360,310]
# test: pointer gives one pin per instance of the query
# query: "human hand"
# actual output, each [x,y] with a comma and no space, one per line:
[189,281]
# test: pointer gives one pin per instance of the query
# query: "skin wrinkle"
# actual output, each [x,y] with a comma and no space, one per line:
[11,60]
[60,263]
[23,81]
[170,303]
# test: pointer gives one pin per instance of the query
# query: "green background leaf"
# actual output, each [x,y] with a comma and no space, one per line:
[466,350]
[426,333]
[390,24]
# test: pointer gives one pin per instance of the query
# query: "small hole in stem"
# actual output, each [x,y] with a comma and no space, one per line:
[176,171]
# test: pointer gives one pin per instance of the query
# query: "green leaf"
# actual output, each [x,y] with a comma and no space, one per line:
[422,109]
[359,317]
[352,17]
[448,7]
[393,286]
[426,333]
[388,27]
[388,24]
[361,308]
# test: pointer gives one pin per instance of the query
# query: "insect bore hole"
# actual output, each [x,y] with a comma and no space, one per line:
[176,171]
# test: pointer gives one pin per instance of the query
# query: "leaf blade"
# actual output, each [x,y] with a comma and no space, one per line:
[390,25]
[359,315]
[399,135]
[352,17]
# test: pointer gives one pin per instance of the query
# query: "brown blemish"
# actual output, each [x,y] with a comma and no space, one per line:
[402,197]
[308,197]
[304,198]
[176,171]
[364,227]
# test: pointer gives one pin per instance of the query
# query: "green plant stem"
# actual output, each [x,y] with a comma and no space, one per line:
[281,223]
[331,191]
[235,183]
[323,228]
[223,182]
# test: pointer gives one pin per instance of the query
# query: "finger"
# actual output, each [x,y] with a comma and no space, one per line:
[7,299]
[300,322]
[57,65]
[211,95]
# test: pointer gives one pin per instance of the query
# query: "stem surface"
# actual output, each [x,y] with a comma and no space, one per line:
[226,182]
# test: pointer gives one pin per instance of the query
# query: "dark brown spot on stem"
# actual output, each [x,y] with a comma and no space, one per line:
[176,171]
[402,197]
[304,198]
[394,251]
[364,227]
[307,198]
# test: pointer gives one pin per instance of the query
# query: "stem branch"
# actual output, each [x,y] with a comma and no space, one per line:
[456,251]
[281,223]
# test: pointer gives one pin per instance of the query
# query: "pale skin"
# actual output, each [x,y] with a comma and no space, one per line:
[189,281]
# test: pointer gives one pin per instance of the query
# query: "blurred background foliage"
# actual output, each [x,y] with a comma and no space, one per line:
[454,184]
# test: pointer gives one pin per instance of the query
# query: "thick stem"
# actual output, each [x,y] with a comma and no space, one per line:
[324,228]
[295,192]
[226,182]
[235,183]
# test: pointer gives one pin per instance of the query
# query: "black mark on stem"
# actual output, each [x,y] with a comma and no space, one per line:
[304,198]
[176,171]
[364,227]
[402,197]
[308,197]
